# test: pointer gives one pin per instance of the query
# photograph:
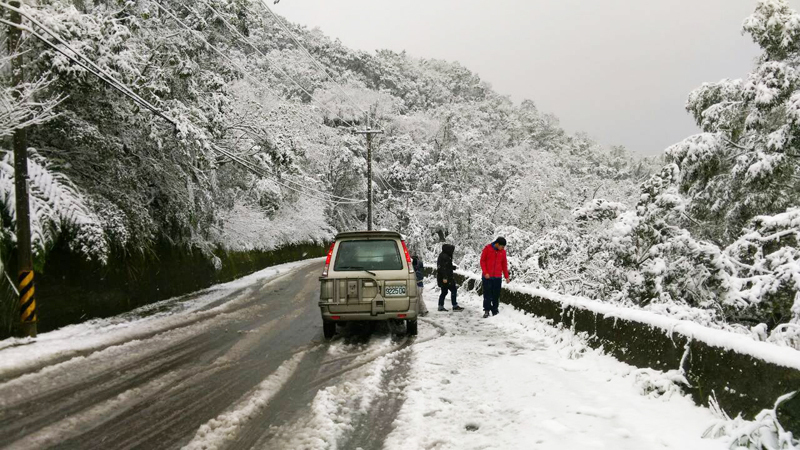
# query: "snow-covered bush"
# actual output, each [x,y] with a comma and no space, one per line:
[57,210]
[599,209]
[714,236]
[656,384]
[762,433]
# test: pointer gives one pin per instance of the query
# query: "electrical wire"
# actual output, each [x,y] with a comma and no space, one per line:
[118,85]
[258,171]
[200,36]
[244,39]
[313,60]
[107,77]
[271,62]
[121,87]
[339,198]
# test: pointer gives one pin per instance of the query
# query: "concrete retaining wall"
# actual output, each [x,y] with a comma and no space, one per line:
[742,383]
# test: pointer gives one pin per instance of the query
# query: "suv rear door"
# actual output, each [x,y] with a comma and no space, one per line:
[370,275]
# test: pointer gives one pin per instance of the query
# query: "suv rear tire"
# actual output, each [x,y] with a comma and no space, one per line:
[411,327]
[328,329]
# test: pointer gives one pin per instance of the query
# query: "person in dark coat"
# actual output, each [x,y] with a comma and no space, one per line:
[419,271]
[445,277]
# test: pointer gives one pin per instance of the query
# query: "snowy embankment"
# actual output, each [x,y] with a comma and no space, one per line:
[740,343]
[514,381]
[728,367]
[20,355]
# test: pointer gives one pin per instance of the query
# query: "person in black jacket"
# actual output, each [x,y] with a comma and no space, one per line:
[445,277]
[419,271]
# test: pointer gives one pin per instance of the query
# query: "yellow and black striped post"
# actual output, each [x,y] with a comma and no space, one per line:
[27,298]
[20,145]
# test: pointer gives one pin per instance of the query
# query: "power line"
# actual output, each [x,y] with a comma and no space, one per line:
[216,50]
[313,60]
[258,171]
[121,87]
[94,69]
[271,62]
[243,38]
[343,199]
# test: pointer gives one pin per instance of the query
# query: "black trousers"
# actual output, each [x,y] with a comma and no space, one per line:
[491,294]
[453,294]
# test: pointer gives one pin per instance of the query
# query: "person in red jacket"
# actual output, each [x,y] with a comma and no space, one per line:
[494,266]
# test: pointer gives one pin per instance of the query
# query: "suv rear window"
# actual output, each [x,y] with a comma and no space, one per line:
[368,255]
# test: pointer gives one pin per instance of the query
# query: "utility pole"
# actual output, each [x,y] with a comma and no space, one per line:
[27,299]
[369,132]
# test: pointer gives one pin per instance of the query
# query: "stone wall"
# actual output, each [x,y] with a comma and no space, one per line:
[742,384]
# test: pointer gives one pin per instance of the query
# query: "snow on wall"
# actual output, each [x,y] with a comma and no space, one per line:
[727,367]
[782,356]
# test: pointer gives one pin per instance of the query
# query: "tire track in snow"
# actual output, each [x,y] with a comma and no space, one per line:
[217,432]
[355,404]
[78,419]
[372,427]
[332,413]
[109,399]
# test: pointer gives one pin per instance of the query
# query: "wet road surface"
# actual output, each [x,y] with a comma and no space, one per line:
[157,392]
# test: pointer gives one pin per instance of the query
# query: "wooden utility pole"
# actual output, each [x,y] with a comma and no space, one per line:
[369,132]
[27,299]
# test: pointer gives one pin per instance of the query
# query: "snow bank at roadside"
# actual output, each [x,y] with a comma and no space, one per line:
[20,354]
[740,343]
[514,381]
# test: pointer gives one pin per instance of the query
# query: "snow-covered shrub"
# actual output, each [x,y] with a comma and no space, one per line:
[767,264]
[57,209]
[247,227]
[762,433]
[22,106]
[743,165]
[599,209]
[657,384]
[714,236]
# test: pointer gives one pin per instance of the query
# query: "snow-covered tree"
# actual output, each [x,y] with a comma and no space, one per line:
[716,230]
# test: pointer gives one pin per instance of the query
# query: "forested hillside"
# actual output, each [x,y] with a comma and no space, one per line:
[457,160]
[711,236]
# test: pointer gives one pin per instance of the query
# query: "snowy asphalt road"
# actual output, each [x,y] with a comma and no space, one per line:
[249,369]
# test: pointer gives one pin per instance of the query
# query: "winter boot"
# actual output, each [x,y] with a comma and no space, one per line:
[486,314]
[442,308]
[457,308]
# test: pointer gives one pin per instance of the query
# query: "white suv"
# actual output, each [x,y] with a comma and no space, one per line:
[368,276]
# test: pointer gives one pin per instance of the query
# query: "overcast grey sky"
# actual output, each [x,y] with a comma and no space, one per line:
[619,70]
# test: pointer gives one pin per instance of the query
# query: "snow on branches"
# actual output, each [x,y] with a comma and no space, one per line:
[58,210]
[714,236]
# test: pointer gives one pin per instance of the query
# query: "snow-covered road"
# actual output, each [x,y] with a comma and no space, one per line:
[245,366]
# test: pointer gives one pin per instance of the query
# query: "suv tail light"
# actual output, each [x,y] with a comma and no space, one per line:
[328,261]
[408,257]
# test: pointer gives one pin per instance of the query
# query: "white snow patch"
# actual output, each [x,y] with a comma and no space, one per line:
[217,432]
[743,344]
[514,381]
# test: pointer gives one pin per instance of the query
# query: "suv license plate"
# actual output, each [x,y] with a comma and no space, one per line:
[395,291]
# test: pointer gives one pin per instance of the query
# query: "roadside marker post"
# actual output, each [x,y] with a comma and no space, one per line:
[27,299]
